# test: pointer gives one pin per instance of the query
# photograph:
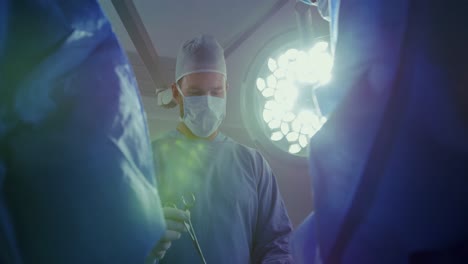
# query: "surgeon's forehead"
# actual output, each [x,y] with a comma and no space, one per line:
[205,80]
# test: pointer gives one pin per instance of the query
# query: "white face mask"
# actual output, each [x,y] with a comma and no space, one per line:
[203,114]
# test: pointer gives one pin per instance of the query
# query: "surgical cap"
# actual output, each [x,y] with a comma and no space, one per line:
[200,54]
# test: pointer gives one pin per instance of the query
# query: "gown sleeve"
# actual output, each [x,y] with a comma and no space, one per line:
[273,227]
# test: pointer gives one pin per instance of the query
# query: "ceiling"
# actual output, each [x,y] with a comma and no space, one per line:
[242,27]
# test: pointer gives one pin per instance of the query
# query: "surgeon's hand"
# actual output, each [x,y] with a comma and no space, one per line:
[175,226]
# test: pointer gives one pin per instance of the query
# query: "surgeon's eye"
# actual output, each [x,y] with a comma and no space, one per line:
[219,92]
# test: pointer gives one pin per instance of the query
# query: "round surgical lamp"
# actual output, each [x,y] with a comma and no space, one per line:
[279,108]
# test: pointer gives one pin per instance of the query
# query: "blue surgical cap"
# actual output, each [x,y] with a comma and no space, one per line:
[200,54]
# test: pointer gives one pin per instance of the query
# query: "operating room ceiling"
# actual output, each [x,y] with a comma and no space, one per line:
[242,27]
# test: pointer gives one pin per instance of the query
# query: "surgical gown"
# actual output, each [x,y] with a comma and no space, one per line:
[239,215]
[76,172]
[390,166]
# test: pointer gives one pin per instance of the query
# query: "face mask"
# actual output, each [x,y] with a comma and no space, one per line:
[203,114]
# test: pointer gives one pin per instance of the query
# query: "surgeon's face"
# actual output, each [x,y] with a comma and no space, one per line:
[199,84]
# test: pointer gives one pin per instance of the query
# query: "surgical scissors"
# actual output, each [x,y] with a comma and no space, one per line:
[188,225]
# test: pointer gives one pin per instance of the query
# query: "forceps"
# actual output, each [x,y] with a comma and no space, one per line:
[188,225]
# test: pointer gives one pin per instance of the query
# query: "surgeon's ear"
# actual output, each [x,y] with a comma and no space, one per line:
[175,93]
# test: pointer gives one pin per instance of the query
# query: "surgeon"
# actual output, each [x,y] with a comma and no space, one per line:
[238,214]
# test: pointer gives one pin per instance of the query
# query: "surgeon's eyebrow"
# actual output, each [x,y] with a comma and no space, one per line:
[193,88]
[196,88]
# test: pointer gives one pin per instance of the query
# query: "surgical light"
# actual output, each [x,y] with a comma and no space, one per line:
[286,87]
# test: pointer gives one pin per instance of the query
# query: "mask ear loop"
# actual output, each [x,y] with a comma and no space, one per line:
[181,119]
[179,90]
